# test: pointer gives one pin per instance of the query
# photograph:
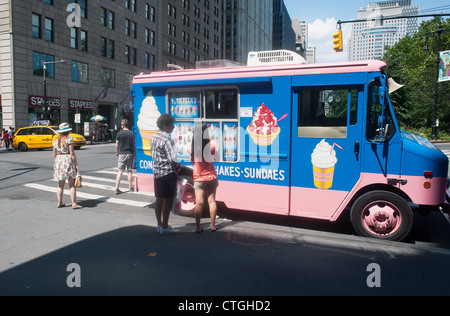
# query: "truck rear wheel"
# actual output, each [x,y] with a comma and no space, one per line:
[382,215]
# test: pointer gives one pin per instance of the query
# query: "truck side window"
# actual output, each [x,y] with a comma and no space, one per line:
[374,112]
[324,112]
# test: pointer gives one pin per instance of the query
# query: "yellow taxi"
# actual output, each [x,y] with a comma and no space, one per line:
[39,137]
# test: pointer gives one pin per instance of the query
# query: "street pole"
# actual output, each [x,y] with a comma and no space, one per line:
[436,91]
[45,84]
[45,92]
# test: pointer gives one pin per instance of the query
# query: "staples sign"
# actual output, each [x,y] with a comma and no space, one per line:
[80,104]
[35,100]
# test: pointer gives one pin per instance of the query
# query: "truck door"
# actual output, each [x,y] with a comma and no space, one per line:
[326,147]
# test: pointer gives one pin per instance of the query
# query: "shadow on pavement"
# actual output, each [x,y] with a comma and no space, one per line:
[237,260]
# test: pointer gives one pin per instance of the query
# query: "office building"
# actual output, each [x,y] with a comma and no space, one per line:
[302,46]
[104,44]
[370,37]
[283,33]
[248,26]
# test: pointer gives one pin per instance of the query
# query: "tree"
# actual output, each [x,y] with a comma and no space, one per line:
[409,64]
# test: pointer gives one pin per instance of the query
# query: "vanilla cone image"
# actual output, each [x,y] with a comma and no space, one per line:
[146,139]
[147,118]
[323,160]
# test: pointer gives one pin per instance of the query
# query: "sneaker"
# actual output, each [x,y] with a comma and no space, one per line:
[158,229]
[168,231]
[118,191]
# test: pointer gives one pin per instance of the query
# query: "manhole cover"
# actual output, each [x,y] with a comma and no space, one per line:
[20,197]
[249,238]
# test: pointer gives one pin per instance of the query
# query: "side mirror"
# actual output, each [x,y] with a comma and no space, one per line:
[382,94]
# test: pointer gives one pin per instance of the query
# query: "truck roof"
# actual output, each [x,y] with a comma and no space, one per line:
[260,71]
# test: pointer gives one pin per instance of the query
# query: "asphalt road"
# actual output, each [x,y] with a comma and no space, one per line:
[114,246]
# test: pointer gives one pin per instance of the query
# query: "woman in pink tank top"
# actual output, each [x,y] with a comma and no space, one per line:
[205,175]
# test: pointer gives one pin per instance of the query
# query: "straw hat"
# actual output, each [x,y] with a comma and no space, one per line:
[64,127]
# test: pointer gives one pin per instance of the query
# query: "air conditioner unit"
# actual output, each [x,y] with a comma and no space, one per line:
[274,57]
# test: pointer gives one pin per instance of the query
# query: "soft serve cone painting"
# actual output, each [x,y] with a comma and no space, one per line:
[147,121]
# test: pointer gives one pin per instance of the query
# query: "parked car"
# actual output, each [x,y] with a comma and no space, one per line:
[39,137]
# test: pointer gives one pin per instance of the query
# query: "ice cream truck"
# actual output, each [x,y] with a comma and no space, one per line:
[296,139]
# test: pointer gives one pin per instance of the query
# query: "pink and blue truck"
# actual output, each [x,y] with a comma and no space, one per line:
[297,139]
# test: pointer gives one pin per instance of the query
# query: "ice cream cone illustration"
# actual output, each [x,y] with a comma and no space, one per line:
[323,160]
[147,118]
[264,127]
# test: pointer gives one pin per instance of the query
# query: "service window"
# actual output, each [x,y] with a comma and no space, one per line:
[217,108]
[326,113]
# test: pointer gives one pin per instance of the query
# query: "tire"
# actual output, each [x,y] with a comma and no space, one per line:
[188,197]
[23,147]
[382,215]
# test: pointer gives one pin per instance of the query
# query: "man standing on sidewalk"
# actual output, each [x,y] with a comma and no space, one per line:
[165,172]
[125,154]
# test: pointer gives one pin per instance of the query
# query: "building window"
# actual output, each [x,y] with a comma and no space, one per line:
[38,64]
[48,30]
[127,54]
[103,46]
[127,27]
[73,38]
[111,20]
[80,72]
[36,25]
[111,49]
[83,7]
[103,13]
[83,41]
[107,77]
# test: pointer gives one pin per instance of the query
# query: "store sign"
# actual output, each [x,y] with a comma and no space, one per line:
[35,100]
[81,104]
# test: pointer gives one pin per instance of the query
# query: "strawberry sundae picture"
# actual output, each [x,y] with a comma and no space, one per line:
[264,127]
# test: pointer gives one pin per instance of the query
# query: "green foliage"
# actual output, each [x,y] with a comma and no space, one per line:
[409,64]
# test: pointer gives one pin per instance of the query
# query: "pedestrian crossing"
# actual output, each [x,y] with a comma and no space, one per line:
[446,152]
[99,186]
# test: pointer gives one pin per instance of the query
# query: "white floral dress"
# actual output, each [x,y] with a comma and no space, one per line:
[64,166]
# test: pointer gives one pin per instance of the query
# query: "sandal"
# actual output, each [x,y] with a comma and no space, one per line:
[60,205]
[76,206]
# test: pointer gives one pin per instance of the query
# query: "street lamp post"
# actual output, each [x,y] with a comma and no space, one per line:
[439,32]
[45,84]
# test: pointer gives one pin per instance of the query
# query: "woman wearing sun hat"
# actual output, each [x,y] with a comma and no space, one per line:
[66,166]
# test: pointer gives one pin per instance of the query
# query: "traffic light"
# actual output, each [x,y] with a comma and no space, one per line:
[338,45]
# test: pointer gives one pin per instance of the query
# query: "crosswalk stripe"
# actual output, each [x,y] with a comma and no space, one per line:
[89,195]
[109,188]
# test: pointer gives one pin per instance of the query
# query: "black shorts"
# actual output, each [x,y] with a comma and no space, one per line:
[166,187]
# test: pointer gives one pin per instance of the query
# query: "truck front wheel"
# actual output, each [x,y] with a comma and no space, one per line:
[382,215]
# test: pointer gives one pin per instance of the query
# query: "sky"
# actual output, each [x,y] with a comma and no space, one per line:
[322,17]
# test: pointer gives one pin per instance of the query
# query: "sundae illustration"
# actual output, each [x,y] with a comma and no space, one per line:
[324,160]
[264,127]
[147,121]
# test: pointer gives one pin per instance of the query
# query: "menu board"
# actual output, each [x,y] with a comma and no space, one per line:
[182,135]
[186,107]
[230,140]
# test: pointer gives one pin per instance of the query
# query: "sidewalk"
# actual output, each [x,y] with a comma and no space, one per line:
[119,253]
